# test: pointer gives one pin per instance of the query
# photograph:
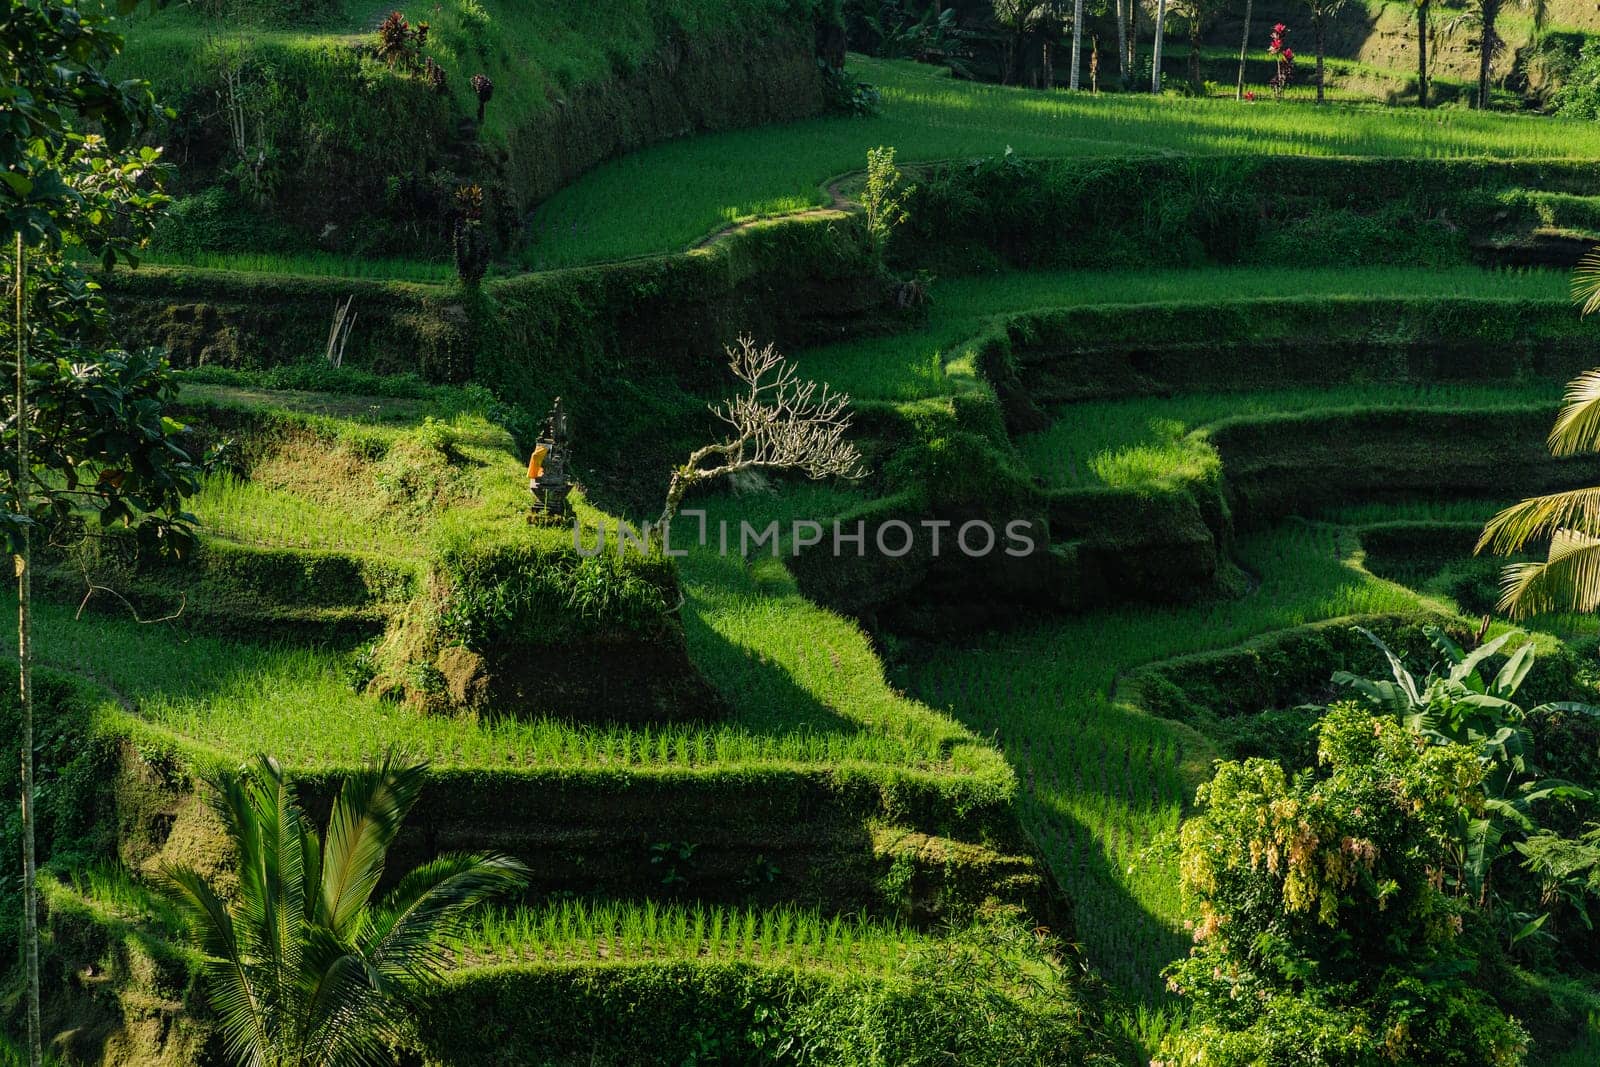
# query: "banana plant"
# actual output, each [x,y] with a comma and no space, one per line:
[1459,703]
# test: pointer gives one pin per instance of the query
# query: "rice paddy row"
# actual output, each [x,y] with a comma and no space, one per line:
[664,198]
[927,361]
[1103,786]
[581,930]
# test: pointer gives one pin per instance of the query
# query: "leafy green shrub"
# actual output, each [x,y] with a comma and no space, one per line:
[439,436]
[883,198]
[846,94]
[1579,94]
[1323,934]
[540,593]
[70,769]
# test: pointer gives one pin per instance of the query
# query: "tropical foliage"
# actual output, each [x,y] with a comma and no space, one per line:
[1342,913]
[1321,932]
[84,430]
[303,965]
[1568,578]
[1463,706]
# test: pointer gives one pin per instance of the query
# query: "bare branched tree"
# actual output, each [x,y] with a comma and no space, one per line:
[780,422]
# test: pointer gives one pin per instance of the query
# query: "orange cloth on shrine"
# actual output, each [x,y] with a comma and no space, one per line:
[536,462]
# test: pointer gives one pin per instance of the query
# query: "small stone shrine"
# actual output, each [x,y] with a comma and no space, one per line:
[547,467]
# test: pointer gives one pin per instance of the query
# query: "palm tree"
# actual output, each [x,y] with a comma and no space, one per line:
[1488,44]
[1244,46]
[1155,56]
[1321,12]
[1197,12]
[1124,74]
[1485,14]
[303,969]
[1018,18]
[1569,577]
[1422,52]
[1077,42]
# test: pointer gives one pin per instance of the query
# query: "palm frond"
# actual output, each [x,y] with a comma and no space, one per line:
[1577,428]
[1538,518]
[1568,580]
[301,967]
[281,909]
[1586,282]
[344,1013]
[372,805]
[408,932]
[243,1009]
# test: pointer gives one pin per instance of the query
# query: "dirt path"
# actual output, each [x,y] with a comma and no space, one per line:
[837,202]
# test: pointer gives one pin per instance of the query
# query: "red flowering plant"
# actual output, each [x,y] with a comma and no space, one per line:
[1285,56]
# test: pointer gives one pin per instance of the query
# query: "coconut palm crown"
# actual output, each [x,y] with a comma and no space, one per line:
[303,968]
[1568,579]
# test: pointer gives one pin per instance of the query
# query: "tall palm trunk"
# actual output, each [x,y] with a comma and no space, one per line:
[1194,51]
[1422,53]
[1490,10]
[1244,46]
[1133,41]
[1077,41]
[1319,40]
[1122,41]
[24,562]
[1155,54]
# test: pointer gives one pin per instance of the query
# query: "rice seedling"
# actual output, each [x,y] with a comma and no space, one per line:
[578,930]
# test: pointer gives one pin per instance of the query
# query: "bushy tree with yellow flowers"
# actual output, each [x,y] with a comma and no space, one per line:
[1327,924]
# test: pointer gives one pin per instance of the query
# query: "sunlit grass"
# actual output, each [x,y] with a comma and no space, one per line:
[932,359]
[320,264]
[802,684]
[1102,782]
[1137,442]
[252,514]
[664,198]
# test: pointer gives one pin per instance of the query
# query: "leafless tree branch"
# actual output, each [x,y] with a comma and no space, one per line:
[779,422]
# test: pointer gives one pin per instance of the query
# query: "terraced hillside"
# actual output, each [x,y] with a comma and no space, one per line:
[1244,378]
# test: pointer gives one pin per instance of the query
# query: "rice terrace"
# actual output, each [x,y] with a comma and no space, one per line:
[854,533]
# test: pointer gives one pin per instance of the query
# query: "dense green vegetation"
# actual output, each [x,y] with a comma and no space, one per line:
[632,206]
[1249,375]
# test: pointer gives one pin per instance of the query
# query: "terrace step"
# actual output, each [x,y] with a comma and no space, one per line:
[1548,248]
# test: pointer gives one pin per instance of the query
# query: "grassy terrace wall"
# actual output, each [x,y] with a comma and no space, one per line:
[1165,534]
[1095,353]
[1290,210]
[574,85]
[798,280]
[1293,666]
[614,984]
[1300,463]
[653,328]
[589,829]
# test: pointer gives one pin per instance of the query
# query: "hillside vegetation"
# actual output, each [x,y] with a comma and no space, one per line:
[1246,378]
